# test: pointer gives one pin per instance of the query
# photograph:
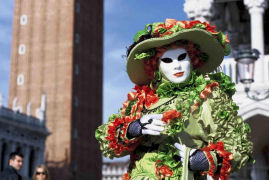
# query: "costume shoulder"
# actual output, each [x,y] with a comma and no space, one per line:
[112,136]
[220,118]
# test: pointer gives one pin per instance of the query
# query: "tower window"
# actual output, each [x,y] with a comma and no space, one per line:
[22,49]
[23,20]
[76,38]
[20,79]
[75,133]
[76,101]
[76,69]
[77,7]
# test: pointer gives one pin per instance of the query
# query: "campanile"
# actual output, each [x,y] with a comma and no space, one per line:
[56,75]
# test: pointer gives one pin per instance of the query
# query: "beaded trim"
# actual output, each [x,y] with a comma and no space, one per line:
[148,111]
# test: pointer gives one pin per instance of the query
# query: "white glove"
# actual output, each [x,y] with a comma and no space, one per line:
[152,124]
[197,159]
[182,149]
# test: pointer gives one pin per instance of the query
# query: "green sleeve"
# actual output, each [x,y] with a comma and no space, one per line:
[222,124]
[112,137]
[100,134]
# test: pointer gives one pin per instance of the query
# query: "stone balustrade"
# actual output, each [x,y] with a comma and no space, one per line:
[114,170]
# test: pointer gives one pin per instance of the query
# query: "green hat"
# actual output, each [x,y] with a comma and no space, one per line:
[214,44]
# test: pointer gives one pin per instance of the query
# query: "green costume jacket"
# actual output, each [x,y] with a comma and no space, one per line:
[199,113]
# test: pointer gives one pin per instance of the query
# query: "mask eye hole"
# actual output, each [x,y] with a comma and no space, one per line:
[166,60]
[182,56]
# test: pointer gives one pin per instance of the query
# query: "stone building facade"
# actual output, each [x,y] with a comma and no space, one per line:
[246,22]
[57,53]
[23,133]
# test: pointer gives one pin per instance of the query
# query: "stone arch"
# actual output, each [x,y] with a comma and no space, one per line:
[259,125]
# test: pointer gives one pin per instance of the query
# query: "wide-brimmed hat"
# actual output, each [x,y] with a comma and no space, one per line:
[214,44]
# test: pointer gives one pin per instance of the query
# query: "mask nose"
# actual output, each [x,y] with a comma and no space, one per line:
[177,65]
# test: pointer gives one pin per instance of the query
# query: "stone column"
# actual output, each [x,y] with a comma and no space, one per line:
[25,166]
[11,146]
[198,10]
[256,11]
[40,155]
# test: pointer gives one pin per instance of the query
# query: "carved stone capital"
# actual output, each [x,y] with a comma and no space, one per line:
[198,10]
[256,4]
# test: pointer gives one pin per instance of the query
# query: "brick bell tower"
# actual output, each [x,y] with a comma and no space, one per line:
[56,60]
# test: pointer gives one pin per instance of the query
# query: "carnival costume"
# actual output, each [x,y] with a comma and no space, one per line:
[178,129]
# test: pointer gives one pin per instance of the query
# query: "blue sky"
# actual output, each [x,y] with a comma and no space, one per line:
[6,17]
[122,19]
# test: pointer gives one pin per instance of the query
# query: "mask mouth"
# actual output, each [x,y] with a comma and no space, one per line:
[179,74]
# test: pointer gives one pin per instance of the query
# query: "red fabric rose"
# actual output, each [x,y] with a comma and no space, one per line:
[170,115]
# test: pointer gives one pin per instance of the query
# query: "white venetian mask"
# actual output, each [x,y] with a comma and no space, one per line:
[175,65]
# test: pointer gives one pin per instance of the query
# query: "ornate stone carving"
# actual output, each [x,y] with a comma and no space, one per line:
[256,3]
[198,10]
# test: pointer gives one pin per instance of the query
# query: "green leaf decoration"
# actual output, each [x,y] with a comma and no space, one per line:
[199,26]
[139,34]
[225,83]
[247,127]
[145,55]
[154,25]
[129,108]
[227,49]
[223,114]
[162,30]
[175,28]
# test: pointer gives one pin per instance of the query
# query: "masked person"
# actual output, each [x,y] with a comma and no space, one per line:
[180,122]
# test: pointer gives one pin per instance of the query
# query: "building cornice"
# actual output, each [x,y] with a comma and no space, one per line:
[198,10]
[248,107]
[256,4]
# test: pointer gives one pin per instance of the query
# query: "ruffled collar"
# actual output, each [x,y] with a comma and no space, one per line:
[195,83]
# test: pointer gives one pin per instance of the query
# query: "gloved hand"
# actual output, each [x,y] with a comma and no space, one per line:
[197,160]
[150,124]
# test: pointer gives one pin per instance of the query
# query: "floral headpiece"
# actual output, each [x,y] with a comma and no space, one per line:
[149,41]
